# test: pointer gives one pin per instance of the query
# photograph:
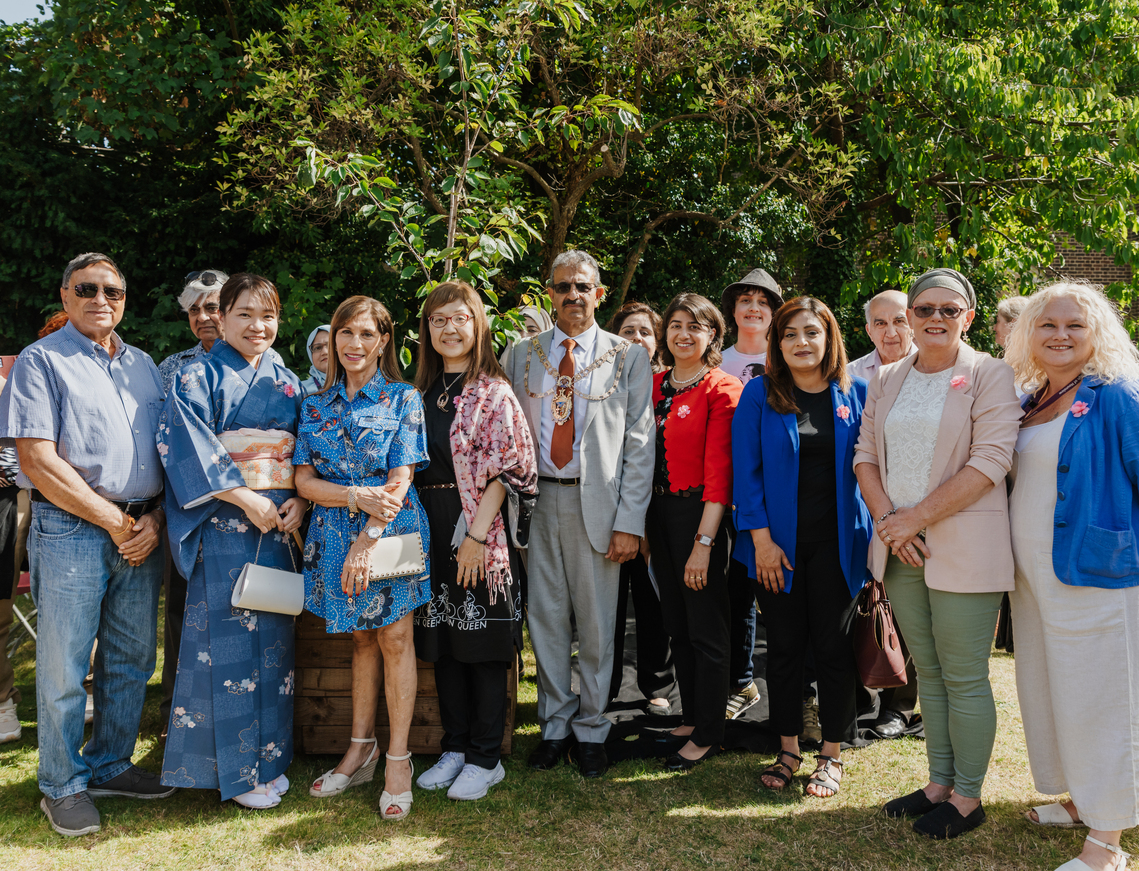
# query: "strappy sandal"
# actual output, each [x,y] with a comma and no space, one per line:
[823,777]
[780,770]
[1078,864]
[401,801]
[330,783]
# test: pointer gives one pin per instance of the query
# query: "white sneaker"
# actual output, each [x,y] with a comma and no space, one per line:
[474,780]
[9,722]
[443,773]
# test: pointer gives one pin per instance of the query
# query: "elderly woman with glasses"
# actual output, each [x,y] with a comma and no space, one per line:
[199,300]
[935,446]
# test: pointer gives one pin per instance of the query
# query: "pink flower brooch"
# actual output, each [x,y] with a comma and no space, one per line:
[1080,408]
[684,411]
[959,382]
[843,412]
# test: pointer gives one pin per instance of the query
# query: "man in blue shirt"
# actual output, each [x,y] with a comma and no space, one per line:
[81,408]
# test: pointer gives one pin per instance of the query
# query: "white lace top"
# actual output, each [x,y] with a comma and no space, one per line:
[911,435]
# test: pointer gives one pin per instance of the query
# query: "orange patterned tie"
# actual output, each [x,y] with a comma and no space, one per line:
[561,445]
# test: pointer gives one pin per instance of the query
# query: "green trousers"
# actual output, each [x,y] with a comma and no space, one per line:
[949,636]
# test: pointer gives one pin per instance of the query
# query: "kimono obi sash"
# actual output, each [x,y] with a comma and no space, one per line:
[263,456]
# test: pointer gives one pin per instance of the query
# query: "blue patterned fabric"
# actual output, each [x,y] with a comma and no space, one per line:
[385,427]
[169,367]
[231,720]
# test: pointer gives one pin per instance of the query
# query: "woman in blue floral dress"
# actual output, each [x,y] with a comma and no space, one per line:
[231,723]
[361,439]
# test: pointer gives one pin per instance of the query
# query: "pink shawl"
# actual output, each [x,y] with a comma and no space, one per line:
[490,439]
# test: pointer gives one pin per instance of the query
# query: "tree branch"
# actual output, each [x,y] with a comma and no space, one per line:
[232,21]
[425,176]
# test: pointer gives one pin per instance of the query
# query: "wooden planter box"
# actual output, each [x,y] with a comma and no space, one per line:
[322,719]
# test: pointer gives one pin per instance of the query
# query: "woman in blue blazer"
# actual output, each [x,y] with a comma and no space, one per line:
[804,529]
[1074,515]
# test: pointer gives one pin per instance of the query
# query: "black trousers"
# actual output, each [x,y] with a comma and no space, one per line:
[174,587]
[472,707]
[696,620]
[8,577]
[655,677]
[810,617]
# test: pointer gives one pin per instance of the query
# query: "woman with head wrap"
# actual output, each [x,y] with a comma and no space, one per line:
[936,444]
[317,349]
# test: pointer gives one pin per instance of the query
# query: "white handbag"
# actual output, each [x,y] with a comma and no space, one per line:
[262,588]
[397,557]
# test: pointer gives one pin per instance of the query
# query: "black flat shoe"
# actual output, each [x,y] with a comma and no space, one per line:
[551,752]
[890,724]
[676,762]
[945,821]
[592,760]
[915,804]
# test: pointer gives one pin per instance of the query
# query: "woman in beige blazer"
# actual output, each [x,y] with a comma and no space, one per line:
[936,443]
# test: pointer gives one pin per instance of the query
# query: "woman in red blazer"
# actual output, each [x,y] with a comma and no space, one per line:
[687,534]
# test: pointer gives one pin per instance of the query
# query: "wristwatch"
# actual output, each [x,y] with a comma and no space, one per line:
[703,539]
[373,532]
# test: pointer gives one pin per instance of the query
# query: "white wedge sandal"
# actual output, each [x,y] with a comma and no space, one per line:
[401,801]
[330,783]
[1078,864]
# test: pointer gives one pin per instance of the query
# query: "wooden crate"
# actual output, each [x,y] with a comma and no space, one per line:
[323,712]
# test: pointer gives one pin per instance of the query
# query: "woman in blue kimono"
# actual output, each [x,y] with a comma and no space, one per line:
[231,723]
[360,441]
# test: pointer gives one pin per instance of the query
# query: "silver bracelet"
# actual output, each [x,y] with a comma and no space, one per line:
[884,516]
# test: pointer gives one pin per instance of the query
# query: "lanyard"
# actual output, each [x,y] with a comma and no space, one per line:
[1034,409]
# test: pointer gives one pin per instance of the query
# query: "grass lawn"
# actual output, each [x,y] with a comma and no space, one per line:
[637,817]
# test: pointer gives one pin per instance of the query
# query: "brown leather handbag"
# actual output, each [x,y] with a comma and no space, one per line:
[877,647]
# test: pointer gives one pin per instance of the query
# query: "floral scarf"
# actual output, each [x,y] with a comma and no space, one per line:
[490,440]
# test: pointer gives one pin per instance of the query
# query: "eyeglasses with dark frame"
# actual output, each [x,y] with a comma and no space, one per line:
[460,320]
[89,290]
[949,312]
[203,277]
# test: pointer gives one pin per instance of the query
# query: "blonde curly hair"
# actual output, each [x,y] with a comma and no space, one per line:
[1114,357]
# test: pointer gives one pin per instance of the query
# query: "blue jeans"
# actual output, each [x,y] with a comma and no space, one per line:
[85,590]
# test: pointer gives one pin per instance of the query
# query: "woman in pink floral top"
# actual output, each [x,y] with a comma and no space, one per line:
[481,456]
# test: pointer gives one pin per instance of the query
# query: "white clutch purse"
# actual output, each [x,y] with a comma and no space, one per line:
[397,557]
[261,588]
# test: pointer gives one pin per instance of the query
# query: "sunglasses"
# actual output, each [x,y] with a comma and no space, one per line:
[949,312]
[206,279]
[564,287]
[89,290]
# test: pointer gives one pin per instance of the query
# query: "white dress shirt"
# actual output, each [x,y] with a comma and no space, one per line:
[584,353]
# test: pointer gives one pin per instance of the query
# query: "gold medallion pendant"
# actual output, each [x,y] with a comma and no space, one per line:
[561,407]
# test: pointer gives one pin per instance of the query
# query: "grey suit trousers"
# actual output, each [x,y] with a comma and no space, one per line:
[568,578]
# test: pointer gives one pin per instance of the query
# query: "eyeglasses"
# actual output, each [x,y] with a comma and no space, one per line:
[949,312]
[564,287]
[89,290]
[319,347]
[210,308]
[460,320]
[206,279]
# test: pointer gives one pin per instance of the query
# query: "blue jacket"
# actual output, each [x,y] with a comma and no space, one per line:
[765,463]
[1097,475]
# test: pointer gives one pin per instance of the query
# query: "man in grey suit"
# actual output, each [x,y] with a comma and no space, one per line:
[587,396]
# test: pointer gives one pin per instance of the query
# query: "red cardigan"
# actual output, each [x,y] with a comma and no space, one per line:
[698,435]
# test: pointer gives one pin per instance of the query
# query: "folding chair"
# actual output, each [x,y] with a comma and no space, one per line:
[27,627]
